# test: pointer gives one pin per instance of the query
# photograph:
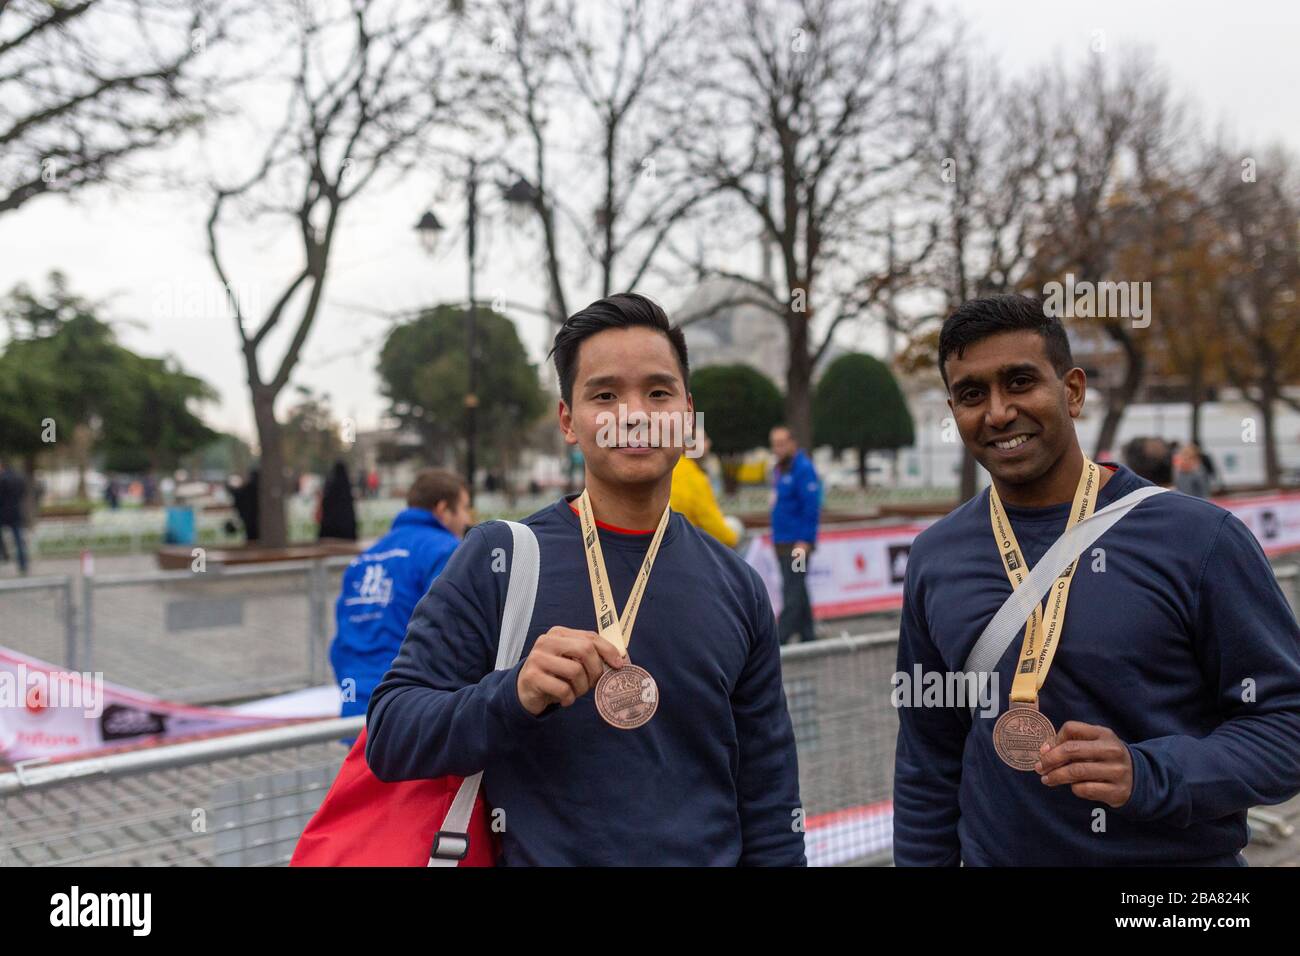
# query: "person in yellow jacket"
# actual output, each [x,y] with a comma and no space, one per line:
[692,495]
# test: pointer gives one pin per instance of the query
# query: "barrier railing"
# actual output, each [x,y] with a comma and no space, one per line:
[217,635]
[38,616]
[243,799]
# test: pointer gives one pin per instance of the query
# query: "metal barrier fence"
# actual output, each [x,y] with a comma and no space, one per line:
[38,617]
[214,636]
[238,800]
[197,637]
[243,799]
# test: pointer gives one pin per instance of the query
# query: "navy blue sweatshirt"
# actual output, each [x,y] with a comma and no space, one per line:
[711,779]
[1161,647]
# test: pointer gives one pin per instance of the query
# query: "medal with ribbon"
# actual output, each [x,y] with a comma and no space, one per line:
[626,697]
[1022,729]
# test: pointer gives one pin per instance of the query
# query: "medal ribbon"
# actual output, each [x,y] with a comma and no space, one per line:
[1040,639]
[616,630]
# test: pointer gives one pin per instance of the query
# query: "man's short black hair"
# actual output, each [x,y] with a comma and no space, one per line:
[977,319]
[620,311]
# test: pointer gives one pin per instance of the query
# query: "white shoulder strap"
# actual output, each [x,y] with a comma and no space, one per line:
[451,843]
[1006,624]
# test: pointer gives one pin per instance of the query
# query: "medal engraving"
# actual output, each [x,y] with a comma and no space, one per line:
[627,697]
[1018,735]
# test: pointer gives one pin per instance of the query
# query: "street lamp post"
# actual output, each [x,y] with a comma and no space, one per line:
[471,397]
[521,195]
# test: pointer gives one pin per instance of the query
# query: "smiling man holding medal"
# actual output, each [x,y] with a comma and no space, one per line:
[597,749]
[1139,727]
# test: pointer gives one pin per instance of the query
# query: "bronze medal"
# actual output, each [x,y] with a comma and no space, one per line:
[1021,730]
[627,696]
[1019,733]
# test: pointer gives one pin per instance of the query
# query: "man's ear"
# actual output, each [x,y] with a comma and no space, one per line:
[566,424]
[1076,389]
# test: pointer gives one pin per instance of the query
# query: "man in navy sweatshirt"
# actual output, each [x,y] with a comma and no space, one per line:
[1175,687]
[712,777]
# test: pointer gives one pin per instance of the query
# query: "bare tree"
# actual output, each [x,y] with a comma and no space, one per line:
[75,107]
[1112,133]
[805,124]
[985,153]
[368,82]
[594,98]
[1176,244]
[1257,207]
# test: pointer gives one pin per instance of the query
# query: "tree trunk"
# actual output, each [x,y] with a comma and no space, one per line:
[729,481]
[798,381]
[273,525]
[1118,399]
[967,474]
[1272,472]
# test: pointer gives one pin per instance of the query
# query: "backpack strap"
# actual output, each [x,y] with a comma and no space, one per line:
[451,842]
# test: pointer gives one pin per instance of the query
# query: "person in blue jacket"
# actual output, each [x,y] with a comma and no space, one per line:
[796,509]
[382,585]
[1174,688]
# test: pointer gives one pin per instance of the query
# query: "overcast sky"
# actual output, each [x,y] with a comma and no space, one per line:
[145,252]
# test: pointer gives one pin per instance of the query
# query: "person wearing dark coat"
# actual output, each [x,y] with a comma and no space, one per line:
[244,499]
[338,515]
[12,489]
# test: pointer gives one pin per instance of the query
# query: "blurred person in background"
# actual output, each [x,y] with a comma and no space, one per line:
[244,498]
[1190,475]
[338,513]
[692,495]
[383,584]
[1152,459]
[12,489]
[796,511]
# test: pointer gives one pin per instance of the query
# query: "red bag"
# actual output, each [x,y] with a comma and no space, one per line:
[366,822]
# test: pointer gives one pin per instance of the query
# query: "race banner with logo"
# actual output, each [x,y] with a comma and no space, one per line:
[1273,519]
[855,571]
[852,571]
[50,713]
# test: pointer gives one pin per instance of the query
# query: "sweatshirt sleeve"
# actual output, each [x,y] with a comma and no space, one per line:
[931,741]
[442,708]
[768,780]
[1248,647]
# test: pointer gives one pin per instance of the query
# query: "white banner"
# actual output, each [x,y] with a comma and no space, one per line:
[854,571]
[1273,519]
[50,713]
[851,571]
